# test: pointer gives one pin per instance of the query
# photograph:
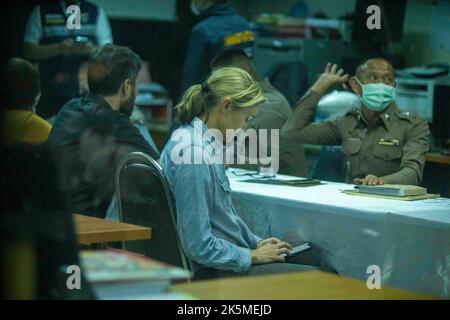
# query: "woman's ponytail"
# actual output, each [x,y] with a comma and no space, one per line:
[190,105]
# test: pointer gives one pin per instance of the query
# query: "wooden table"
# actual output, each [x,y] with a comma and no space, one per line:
[290,286]
[437,158]
[95,230]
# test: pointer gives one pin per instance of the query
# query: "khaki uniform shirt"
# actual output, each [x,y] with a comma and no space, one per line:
[393,148]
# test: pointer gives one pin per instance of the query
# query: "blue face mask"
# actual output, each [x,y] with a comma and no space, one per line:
[376,96]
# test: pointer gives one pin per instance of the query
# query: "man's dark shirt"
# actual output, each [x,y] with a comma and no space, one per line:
[88,139]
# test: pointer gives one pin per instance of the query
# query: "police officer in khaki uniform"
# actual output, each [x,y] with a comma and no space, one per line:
[382,144]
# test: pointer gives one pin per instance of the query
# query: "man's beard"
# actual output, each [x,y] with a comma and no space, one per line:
[127,107]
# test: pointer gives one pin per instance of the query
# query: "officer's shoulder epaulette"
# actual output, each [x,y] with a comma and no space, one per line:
[409,115]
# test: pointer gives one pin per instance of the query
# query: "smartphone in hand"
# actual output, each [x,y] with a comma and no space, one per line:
[304,247]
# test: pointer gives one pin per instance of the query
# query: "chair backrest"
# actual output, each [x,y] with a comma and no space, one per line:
[144,198]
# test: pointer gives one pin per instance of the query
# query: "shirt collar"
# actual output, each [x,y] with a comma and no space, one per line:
[97,99]
[388,115]
[385,118]
[207,135]
[265,84]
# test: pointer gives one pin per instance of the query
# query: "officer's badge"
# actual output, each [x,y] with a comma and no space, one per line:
[389,142]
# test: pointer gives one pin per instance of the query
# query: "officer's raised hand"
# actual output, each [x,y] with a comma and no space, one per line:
[330,77]
[370,179]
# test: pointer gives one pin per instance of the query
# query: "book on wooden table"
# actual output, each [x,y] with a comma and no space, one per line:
[393,190]
[115,274]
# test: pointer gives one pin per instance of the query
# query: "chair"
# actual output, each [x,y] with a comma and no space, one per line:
[144,198]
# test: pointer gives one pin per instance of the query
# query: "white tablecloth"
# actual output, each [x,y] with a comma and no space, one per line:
[408,240]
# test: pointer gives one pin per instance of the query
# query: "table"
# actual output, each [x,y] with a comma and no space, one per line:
[408,241]
[95,230]
[290,286]
[437,158]
[436,174]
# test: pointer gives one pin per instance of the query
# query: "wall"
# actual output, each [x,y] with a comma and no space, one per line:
[333,8]
[164,10]
[163,44]
[416,41]
[14,17]
[416,35]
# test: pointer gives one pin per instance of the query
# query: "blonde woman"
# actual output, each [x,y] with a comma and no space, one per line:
[214,237]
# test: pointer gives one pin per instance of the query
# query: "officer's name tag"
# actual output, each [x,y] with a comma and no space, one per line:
[386,142]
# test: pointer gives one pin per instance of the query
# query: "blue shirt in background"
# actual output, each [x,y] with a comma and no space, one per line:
[220,28]
[211,232]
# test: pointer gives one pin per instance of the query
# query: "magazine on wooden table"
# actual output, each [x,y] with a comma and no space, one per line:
[115,274]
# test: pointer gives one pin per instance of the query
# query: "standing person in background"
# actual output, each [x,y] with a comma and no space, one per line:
[61,51]
[218,27]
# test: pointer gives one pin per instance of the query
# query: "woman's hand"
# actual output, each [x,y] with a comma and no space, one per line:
[271,250]
[270,240]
